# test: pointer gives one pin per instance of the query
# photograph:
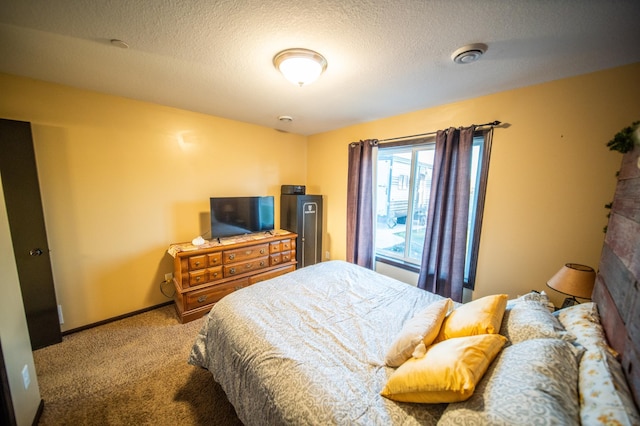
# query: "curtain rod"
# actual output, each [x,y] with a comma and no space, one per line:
[492,124]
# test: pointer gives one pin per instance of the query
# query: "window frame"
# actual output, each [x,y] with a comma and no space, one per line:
[473,246]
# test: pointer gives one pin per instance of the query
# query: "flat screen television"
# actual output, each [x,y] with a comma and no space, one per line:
[232,216]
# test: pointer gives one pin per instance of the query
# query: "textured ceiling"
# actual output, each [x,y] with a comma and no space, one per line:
[385,57]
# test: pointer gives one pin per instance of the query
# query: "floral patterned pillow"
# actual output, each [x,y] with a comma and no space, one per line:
[604,395]
[583,321]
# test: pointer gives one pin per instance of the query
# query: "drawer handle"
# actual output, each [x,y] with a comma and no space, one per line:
[262,263]
[232,270]
[202,299]
[263,251]
[248,252]
[198,263]
[198,278]
[249,265]
[215,274]
[232,256]
[276,260]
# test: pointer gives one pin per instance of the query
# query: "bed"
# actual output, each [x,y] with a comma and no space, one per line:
[312,346]
[281,359]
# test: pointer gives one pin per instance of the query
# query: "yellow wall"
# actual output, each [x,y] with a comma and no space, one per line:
[122,179]
[550,174]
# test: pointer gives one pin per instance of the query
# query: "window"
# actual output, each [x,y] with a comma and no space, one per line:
[403,184]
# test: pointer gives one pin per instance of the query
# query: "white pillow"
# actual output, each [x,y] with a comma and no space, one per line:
[422,328]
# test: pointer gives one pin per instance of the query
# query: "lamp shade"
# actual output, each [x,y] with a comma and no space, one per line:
[575,280]
[300,66]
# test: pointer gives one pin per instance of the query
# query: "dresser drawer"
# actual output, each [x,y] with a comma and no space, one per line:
[287,256]
[275,259]
[215,273]
[198,298]
[286,245]
[214,259]
[198,277]
[247,266]
[251,252]
[197,262]
[202,276]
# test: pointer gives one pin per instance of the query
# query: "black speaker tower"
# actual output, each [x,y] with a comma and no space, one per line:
[302,214]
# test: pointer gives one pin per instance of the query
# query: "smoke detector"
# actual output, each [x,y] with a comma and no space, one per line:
[469,53]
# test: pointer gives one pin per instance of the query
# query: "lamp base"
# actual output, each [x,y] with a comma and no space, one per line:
[569,301]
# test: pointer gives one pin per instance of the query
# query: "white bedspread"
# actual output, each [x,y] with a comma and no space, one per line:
[307,348]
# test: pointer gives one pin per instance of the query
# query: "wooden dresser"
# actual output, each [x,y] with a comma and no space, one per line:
[202,275]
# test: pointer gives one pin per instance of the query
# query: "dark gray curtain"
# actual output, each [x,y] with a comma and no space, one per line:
[443,256]
[360,203]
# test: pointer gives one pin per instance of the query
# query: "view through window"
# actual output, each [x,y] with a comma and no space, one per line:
[403,184]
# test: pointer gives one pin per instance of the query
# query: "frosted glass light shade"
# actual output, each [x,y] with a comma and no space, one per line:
[575,280]
[300,66]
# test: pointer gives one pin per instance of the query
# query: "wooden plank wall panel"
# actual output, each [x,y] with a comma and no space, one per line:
[617,278]
[629,167]
[617,285]
[623,237]
[626,204]
[631,356]
[633,320]
[609,316]
[632,371]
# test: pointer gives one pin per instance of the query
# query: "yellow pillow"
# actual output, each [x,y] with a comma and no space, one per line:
[481,316]
[448,372]
[423,327]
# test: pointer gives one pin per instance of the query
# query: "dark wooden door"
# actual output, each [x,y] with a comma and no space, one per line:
[28,233]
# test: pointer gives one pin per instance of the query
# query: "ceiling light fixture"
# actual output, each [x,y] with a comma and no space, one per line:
[300,66]
[469,53]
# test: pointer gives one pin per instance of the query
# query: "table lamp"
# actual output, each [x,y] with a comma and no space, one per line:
[574,280]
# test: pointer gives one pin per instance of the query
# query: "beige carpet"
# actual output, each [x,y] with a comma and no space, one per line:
[130,372]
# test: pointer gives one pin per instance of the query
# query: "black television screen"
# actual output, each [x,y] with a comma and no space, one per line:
[240,215]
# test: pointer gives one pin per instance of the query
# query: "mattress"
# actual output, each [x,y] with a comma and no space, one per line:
[308,347]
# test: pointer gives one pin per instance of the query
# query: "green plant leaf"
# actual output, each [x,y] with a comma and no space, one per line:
[623,140]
